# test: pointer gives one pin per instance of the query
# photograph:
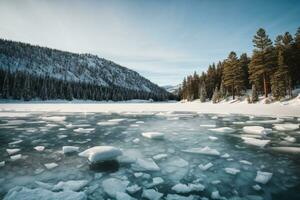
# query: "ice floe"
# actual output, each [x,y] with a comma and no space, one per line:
[223,130]
[39,148]
[15,142]
[232,171]
[50,165]
[152,194]
[70,149]
[205,151]
[18,192]
[153,135]
[108,123]
[101,153]
[255,142]
[245,162]
[212,138]
[258,130]
[16,157]
[286,127]
[263,177]
[160,156]
[74,185]
[191,187]
[155,181]
[84,130]
[206,166]
[208,125]
[256,187]
[2,163]
[54,118]
[112,185]
[145,165]
[12,151]
[133,189]
[290,139]
[123,196]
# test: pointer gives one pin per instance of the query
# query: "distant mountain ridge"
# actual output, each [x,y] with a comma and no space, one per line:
[72,67]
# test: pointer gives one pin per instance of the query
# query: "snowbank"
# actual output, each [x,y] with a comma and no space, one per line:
[274,109]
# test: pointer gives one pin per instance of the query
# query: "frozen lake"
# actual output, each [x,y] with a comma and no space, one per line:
[200,155]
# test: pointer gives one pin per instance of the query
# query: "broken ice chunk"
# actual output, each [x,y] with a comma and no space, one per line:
[245,162]
[255,142]
[84,130]
[133,189]
[151,194]
[74,185]
[15,142]
[145,165]
[257,130]
[101,153]
[155,181]
[50,165]
[226,155]
[256,187]
[263,177]
[208,125]
[232,171]
[136,140]
[205,151]
[153,135]
[70,149]
[2,163]
[205,167]
[183,188]
[212,138]
[39,148]
[290,139]
[160,156]
[16,157]
[112,185]
[223,130]
[123,196]
[286,127]
[12,151]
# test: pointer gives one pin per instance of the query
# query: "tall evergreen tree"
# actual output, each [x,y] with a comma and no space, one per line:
[254,96]
[216,96]
[262,61]
[203,93]
[5,87]
[233,75]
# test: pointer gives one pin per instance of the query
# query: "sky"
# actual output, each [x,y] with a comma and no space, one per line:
[163,40]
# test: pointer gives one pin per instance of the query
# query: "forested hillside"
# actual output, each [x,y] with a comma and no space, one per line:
[272,69]
[28,71]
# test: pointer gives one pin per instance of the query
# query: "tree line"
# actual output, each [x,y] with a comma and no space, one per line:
[272,69]
[25,86]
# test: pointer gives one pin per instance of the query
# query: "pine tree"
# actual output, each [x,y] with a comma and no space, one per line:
[222,91]
[216,96]
[203,93]
[27,90]
[233,75]
[69,94]
[5,88]
[262,61]
[254,94]
[244,63]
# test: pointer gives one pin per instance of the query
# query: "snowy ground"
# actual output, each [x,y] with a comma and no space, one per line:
[290,108]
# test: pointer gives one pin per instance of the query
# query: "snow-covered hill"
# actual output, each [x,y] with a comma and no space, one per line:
[174,89]
[68,66]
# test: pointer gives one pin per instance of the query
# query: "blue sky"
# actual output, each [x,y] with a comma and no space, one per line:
[162,40]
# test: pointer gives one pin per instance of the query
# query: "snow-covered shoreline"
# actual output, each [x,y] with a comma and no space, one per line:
[274,109]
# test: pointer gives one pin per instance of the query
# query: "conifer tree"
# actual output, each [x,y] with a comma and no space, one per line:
[262,61]
[5,88]
[233,75]
[203,93]
[254,94]
[222,91]
[26,90]
[69,94]
[216,97]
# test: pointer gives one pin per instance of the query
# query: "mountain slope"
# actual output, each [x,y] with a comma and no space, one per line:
[72,67]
